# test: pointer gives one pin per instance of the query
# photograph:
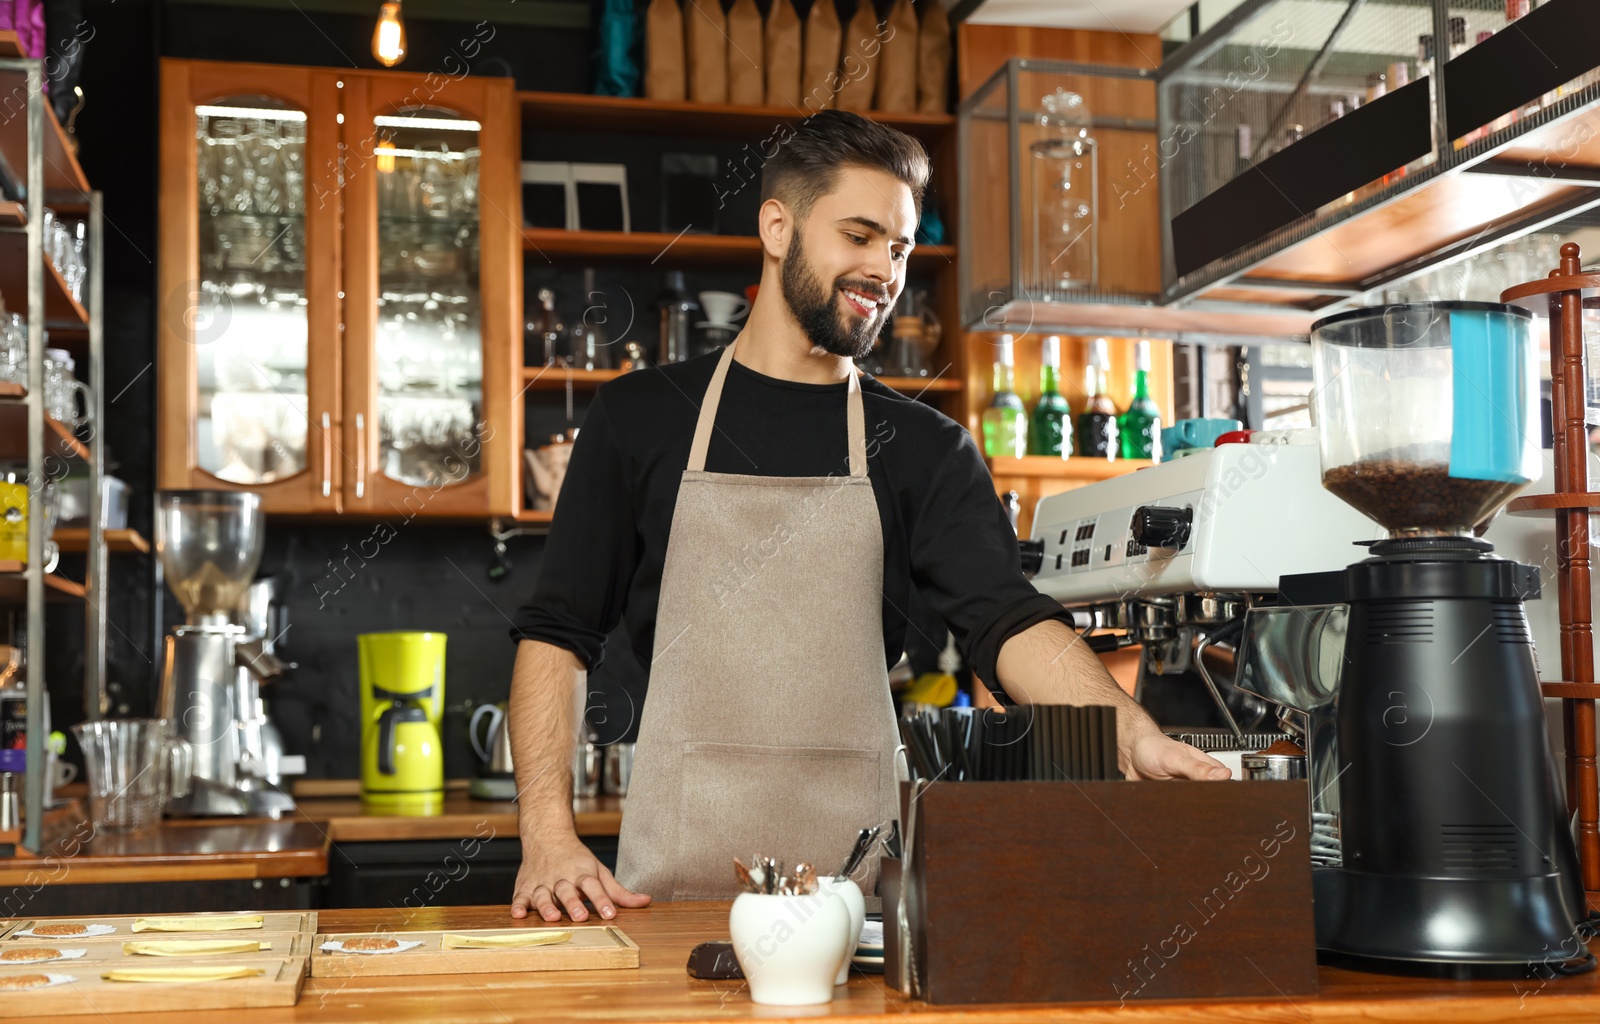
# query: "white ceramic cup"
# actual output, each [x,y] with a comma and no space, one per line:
[790,947]
[723,307]
[850,892]
[61,772]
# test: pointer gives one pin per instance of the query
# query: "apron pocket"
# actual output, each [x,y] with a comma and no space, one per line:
[793,803]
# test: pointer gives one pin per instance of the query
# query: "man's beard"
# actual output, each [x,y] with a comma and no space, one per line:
[817,312]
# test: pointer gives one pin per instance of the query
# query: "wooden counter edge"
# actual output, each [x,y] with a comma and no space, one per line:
[501,825]
[31,872]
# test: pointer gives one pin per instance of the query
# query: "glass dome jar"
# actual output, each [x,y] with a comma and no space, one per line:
[1427,412]
[1065,196]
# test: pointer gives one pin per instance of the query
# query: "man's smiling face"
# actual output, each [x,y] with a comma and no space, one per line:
[846,261]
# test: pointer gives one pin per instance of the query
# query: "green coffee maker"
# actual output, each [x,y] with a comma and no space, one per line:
[402,702]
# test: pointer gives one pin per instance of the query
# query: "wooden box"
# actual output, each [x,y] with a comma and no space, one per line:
[591,948]
[277,984]
[1107,891]
[122,925]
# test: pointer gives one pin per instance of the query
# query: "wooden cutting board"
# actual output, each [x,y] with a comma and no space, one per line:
[593,947]
[271,921]
[89,993]
[109,949]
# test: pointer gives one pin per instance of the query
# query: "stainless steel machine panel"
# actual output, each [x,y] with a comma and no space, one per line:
[1258,512]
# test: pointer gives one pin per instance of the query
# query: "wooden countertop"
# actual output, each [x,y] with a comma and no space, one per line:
[661,991]
[185,849]
[76,854]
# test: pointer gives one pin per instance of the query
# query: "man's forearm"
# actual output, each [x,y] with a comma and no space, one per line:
[1049,663]
[546,703]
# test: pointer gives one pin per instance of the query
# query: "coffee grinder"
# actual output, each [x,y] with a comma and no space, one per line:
[1455,848]
[402,702]
[209,544]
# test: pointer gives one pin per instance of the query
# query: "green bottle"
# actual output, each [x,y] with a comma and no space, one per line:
[1140,426]
[1005,422]
[1050,429]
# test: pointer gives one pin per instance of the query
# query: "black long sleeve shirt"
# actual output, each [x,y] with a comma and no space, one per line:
[943,526]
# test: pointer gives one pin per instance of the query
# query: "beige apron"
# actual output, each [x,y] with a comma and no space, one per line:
[768,727]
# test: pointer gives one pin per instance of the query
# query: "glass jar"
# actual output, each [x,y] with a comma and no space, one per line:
[1065,254]
[63,390]
[1427,413]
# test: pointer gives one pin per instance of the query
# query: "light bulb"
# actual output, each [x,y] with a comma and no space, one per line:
[389,38]
[384,151]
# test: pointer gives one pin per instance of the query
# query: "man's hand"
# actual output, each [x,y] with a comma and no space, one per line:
[1047,663]
[558,875]
[1157,756]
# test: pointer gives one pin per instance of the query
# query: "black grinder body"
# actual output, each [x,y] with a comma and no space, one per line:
[1454,835]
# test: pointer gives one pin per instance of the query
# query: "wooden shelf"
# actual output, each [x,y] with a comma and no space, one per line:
[14,589]
[61,170]
[14,215]
[64,439]
[1527,177]
[582,112]
[1076,468]
[1571,691]
[76,538]
[528,515]
[554,378]
[59,305]
[58,439]
[10,390]
[661,248]
[1023,316]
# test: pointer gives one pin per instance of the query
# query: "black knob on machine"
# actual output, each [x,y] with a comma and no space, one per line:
[1032,555]
[1156,526]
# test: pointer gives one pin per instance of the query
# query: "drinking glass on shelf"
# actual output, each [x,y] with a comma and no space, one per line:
[293,159]
[466,196]
[238,179]
[73,265]
[62,390]
[265,155]
[63,250]
[50,236]
[14,350]
[433,184]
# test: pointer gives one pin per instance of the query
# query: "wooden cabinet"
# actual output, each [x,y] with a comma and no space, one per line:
[340,289]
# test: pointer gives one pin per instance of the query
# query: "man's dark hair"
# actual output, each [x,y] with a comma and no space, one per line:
[806,166]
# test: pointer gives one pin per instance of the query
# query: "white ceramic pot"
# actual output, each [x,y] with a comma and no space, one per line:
[790,947]
[850,892]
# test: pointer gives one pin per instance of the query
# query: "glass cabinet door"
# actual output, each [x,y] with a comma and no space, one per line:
[428,345]
[247,395]
[251,355]
[427,316]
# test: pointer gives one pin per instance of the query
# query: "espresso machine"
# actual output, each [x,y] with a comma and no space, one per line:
[209,543]
[1171,558]
[1410,677]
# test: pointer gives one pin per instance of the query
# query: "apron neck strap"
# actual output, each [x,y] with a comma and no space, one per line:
[855,417]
